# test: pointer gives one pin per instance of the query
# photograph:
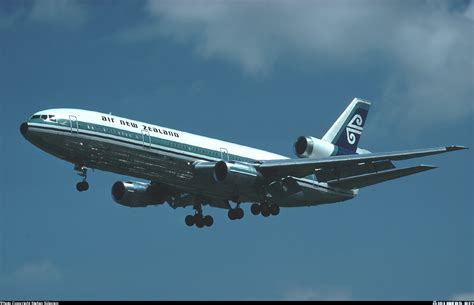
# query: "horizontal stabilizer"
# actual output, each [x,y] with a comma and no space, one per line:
[370,179]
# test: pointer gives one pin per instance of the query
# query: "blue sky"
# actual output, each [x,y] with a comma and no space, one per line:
[254,73]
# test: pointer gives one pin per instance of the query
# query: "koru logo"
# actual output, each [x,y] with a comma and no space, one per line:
[354,127]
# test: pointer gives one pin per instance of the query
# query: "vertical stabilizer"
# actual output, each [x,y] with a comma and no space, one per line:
[347,130]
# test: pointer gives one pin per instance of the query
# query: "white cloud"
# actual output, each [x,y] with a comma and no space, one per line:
[426,46]
[65,12]
[469,13]
[467,296]
[309,294]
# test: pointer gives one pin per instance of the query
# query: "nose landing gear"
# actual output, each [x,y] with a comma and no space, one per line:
[83,185]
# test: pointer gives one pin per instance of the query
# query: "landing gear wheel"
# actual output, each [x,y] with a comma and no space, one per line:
[239,212]
[208,221]
[274,209]
[265,210]
[255,209]
[82,186]
[231,214]
[199,221]
[189,220]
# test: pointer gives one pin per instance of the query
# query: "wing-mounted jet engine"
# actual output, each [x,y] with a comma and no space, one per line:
[229,172]
[138,194]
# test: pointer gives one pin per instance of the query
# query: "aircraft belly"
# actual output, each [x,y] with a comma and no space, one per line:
[136,161]
[130,160]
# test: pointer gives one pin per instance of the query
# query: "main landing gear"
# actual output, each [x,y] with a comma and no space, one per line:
[83,185]
[198,219]
[265,209]
[237,213]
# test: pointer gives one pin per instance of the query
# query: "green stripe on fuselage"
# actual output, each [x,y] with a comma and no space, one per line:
[129,135]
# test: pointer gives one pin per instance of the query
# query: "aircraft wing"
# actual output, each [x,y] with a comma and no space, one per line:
[274,169]
[374,178]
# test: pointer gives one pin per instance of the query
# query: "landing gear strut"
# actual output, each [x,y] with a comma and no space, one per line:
[265,209]
[198,219]
[83,185]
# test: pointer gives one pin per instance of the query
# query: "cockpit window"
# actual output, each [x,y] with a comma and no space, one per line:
[48,117]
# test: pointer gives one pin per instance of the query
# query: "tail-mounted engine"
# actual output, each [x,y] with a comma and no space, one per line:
[138,194]
[310,147]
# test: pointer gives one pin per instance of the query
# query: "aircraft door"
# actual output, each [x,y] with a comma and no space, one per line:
[224,154]
[74,124]
[146,139]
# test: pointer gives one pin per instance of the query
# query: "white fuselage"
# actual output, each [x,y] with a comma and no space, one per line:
[155,153]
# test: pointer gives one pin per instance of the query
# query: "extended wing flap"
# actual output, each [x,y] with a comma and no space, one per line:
[323,175]
[304,167]
[370,179]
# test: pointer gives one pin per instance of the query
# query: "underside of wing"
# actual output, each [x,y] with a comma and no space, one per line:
[335,173]
[327,169]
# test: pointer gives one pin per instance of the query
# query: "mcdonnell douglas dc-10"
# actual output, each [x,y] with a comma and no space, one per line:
[191,170]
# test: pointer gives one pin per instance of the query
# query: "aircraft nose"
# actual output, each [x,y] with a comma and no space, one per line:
[24,128]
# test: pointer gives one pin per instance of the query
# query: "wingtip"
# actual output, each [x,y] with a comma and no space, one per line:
[427,167]
[455,147]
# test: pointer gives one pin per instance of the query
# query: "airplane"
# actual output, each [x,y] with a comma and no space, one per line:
[185,169]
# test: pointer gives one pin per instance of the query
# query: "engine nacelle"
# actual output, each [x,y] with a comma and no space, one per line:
[310,147]
[138,194]
[236,173]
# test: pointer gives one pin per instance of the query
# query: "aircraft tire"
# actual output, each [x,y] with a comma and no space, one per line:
[265,210]
[189,220]
[82,186]
[208,221]
[199,221]
[255,209]
[239,212]
[274,209]
[231,214]
[200,224]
